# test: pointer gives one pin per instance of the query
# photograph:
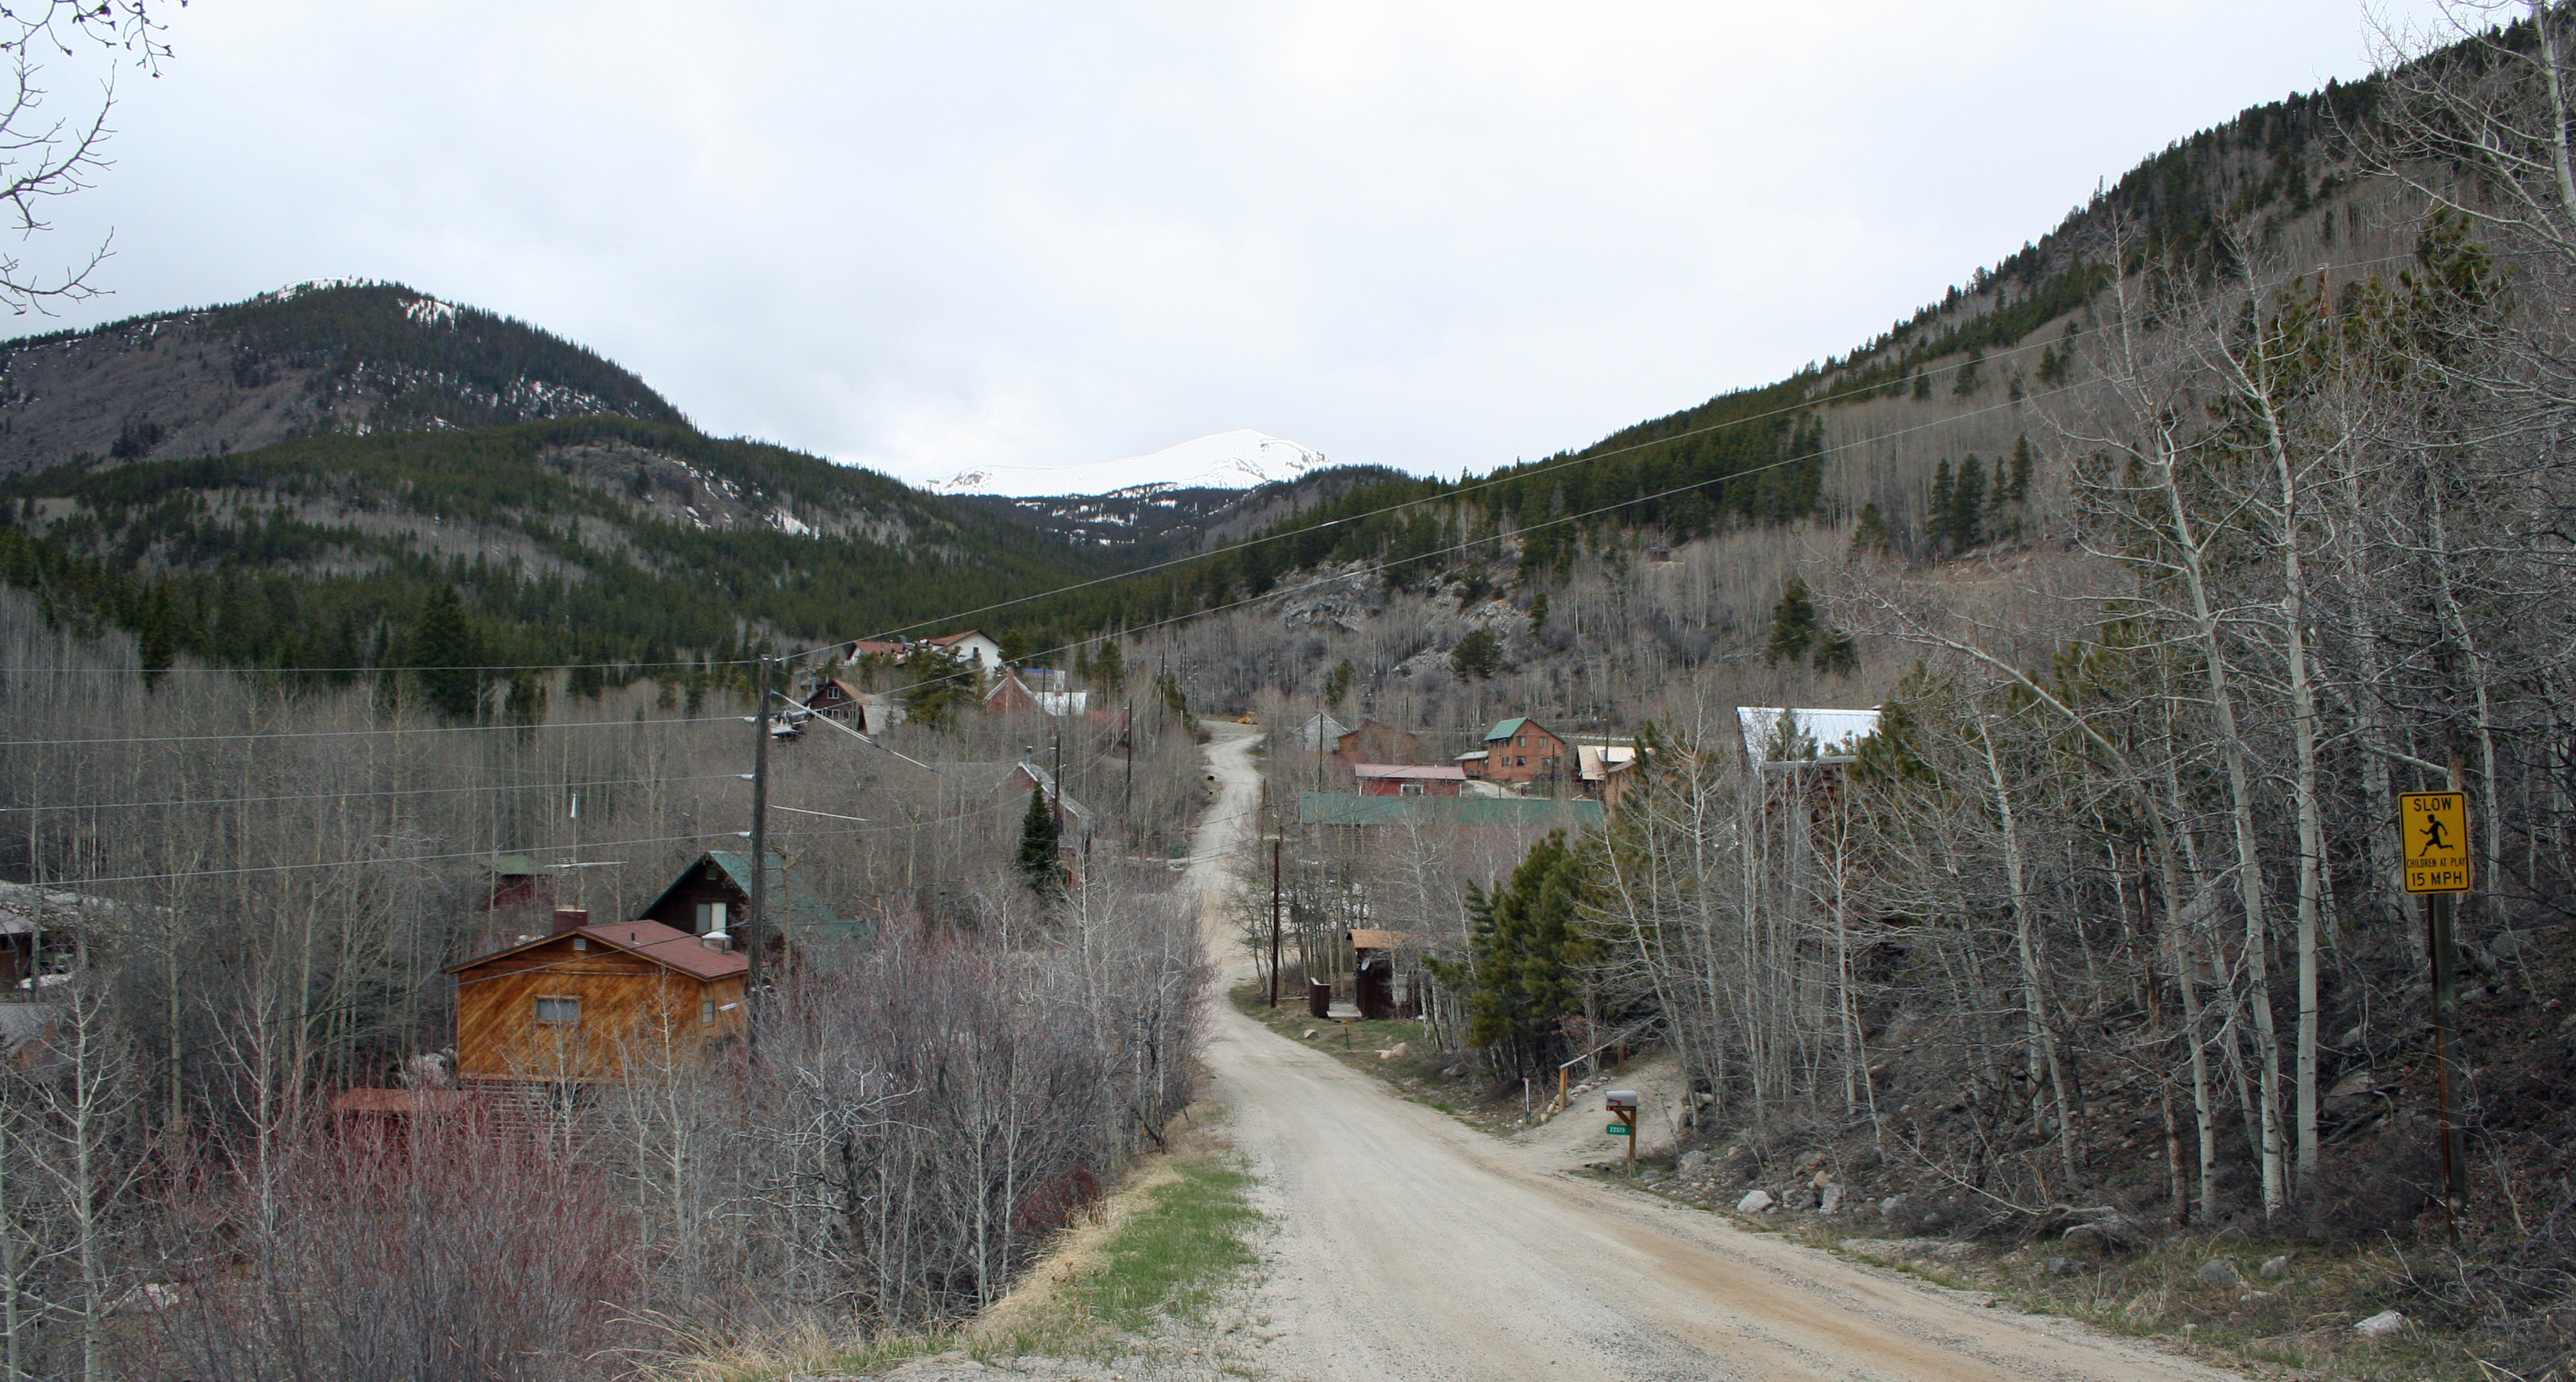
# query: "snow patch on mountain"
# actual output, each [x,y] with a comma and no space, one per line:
[1240,459]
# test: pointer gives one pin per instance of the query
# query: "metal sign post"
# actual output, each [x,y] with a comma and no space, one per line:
[2433,844]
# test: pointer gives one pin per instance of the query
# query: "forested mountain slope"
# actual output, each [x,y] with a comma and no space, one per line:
[344,358]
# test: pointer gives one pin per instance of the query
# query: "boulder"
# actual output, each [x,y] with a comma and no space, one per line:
[1833,1199]
[2064,1266]
[1310,1034]
[2275,1268]
[1755,1202]
[1692,1162]
[2381,1325]
[1892,1206]
[1798,1197]
[2220,1271]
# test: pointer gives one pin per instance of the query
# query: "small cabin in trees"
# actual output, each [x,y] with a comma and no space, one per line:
[713,895]
[865,711]
[583,1003]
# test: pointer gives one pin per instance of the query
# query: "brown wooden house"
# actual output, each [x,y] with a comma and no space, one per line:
[1376,743]
[577,1005]
[1523,750]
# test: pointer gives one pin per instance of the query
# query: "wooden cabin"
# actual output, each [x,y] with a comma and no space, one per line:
[1376,743]
[714,894]
[1523,750]
[577,1005]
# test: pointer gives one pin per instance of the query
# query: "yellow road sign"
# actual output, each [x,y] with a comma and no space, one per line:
[2433,841]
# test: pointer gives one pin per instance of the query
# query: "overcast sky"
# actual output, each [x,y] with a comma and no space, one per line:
[926,237]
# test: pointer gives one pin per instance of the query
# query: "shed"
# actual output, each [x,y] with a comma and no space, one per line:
[514,880]
[40,928]
[1381,983]
[575,1006]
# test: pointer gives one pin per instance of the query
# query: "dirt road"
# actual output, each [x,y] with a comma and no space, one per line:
[1407,1245]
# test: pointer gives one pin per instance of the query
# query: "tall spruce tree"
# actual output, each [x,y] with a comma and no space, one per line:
[1037,862]
[1936,516]
[1526,951]
[446,654]
[1968,505]
[1793,625]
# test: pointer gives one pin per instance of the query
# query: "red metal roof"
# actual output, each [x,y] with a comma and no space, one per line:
[1427,772]
[676,948]
[651,939]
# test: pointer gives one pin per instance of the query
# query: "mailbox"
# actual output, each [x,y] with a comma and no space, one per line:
[1620,1101]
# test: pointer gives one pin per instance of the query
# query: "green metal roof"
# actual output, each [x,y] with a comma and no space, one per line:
[1350,808]
[1506,729]
[513,865]
[790,902]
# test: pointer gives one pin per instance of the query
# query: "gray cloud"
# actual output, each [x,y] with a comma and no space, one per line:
[923,238]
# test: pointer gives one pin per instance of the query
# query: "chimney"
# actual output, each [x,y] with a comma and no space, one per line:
[571,919]
[717,941]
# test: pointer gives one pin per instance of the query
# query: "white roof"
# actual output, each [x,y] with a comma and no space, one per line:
[1833,733]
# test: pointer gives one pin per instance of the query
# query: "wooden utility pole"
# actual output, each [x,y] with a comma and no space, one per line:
[1276,841]
[757,932]
[1127,733]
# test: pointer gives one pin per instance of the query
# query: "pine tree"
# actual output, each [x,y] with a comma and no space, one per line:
[1109,668]
[1968,505]
[1965,385]
[1793,625]
[1538,615]
[1478,655]
[1337,687]
[443,649]
[1837,653]
[1526,949]
[1922,384]
[2023,460]
[1871,536]
[1936,519]
[1037,862]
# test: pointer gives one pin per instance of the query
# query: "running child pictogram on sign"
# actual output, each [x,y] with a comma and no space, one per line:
[2433,835]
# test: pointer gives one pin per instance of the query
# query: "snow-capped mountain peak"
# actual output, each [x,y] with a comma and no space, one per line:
[1240,459]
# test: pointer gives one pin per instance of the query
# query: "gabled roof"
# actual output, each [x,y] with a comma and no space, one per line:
[1597,761]
[1046,783]
[951,640]
[512,865]
[1506,729]
[1426,772]
[650,939]
[789,901]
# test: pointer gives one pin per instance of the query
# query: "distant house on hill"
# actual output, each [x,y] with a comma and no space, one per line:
[1376,743]
[1409,779]
[1320,731]
[1605,772]
[1011,693]
[575,1005]
[865,711]
[41,928]
[1523,750]
[979,650]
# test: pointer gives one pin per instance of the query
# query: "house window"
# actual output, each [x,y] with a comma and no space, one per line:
[559,1011]
[711,917]
[1408,789]
[707,1012]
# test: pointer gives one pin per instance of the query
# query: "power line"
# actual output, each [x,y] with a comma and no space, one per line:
[384,792]
[1527,473]
[354,733]
[358,863]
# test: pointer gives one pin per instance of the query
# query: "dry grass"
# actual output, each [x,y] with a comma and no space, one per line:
[1161,1235]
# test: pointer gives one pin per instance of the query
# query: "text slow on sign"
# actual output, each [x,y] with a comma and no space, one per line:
[2433,833]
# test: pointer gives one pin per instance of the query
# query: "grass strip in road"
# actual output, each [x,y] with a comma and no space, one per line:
[1177,1253]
